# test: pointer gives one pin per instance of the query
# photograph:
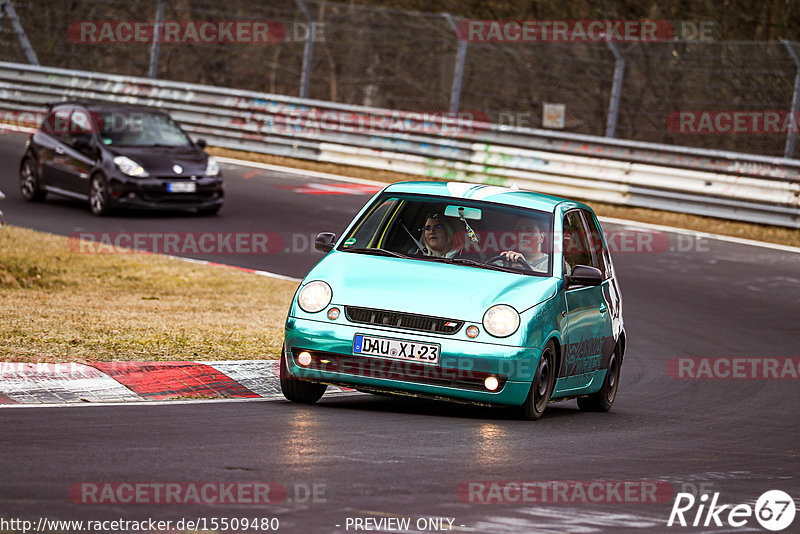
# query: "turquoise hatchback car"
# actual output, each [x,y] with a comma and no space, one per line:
[461,292]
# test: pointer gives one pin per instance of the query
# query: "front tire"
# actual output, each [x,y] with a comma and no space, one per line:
[604,399]
[99,201]
[29,184]
[544,382]
[298,390]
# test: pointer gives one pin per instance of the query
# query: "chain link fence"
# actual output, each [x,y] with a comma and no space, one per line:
[415,61]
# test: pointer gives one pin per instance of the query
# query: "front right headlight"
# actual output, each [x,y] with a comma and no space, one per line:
[212,167]
[130,167]
[315,296]
[501,320]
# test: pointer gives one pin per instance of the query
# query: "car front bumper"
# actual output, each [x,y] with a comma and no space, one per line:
[459,376]
[152,193]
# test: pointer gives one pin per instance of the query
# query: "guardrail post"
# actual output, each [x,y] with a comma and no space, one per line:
[8,7]
[308,49]
[616,89]
[791,134]
[156,39]
[458,70]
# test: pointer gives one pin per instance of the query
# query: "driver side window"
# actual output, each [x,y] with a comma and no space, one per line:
[79,128]
[598,250]
[575,242]
[56,124]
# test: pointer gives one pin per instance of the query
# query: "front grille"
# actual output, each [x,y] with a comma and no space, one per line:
[177,198]
[400,370]
[422,323]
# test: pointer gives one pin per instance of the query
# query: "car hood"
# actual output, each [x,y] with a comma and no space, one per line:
[159,161]
[427,287]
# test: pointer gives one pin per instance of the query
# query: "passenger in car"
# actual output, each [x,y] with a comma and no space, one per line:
[529,240]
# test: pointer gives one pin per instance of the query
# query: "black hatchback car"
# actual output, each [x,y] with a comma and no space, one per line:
[118,155]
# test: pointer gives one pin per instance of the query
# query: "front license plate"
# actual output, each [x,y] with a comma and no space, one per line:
[181,187]
[396,348]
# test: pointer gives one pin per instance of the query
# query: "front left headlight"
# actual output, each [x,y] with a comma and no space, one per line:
[315,296]
[501,320]
[212,167]
[130,167]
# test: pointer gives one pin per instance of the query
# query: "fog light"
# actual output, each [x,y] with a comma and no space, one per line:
[304,358]
[472,332]
[333,314]
[491,383]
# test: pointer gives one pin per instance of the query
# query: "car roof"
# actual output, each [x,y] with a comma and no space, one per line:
[102,105]
[486,193]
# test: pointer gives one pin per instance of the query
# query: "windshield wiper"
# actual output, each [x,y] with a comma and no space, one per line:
[377,252]
[473,263]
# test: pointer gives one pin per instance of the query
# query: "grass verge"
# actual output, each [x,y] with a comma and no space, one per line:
[757,232]
[58,305]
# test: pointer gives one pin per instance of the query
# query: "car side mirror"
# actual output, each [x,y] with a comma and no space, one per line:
[83,144]
[201,143]
[584,275]
[325,241]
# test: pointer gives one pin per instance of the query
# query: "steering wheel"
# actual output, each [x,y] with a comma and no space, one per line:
[508,264]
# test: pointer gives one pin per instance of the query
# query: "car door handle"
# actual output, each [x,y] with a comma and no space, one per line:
[603,309]
[59,150]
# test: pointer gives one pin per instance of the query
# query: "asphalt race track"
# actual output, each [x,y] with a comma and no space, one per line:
[379,458]
[257,202]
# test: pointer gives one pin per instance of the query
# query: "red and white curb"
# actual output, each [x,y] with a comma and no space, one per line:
[114,382]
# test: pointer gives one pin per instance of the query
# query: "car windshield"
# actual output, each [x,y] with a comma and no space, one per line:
[468,233]
[137,128]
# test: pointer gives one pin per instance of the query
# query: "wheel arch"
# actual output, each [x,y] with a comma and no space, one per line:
[557,344]
[622,342]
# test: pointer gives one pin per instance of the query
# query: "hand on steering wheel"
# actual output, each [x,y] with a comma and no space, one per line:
[511,259]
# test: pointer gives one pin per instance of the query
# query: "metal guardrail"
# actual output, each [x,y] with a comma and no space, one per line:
[721,184]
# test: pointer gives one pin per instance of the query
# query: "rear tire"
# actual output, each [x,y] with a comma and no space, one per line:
[298,390]
[604,399]
[542,386]
[29,184]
